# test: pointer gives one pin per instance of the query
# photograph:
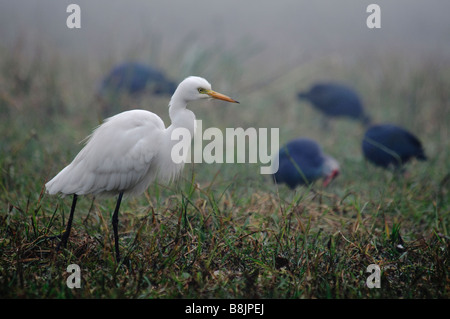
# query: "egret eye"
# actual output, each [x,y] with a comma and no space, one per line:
[201,90]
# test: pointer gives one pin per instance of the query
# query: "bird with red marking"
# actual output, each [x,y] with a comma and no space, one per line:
[302,161]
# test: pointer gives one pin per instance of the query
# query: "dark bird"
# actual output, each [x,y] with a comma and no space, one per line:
[134,78]
[336,100]
[389,145]
[301,162]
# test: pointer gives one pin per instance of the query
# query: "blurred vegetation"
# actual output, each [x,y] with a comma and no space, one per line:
[225,231]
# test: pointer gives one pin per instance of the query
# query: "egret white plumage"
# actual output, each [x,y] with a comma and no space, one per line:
[129,151]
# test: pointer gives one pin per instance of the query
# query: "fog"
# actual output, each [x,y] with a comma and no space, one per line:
[288,30]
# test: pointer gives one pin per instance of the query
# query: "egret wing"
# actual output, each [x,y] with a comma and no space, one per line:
[117,157]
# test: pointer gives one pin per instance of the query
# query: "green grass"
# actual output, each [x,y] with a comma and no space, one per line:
[224,231]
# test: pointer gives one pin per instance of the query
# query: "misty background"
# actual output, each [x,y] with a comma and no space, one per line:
[280,32]
[259,52]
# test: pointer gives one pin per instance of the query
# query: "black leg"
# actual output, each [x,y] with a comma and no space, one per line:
[65,235]
[115,222]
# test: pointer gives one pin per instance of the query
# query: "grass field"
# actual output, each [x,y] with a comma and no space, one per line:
[223,230]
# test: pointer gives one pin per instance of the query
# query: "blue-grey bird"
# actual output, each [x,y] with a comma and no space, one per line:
[302,161]
[336,100]
[134,78]
[388,145]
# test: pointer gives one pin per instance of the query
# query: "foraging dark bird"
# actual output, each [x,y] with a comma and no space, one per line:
[129,151]
[302,161]
[389,145]
[134,78]
[336,100]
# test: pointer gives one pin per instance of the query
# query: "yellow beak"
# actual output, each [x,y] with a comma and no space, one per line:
[220,96]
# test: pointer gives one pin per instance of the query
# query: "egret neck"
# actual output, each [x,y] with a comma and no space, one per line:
[180,116]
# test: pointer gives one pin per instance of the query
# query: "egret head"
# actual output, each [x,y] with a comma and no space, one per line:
[330,170]
[196,88]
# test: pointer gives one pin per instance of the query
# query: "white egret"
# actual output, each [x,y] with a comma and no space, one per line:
[129,151]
